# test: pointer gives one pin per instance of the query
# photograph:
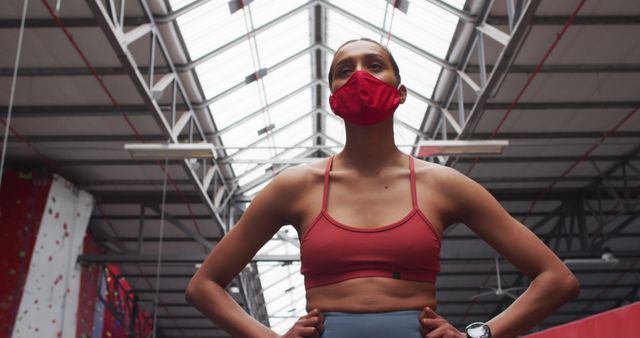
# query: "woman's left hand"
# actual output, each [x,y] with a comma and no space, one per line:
[434,326]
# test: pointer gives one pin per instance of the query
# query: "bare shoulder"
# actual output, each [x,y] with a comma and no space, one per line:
[295,179]
[441,176]
[445,185]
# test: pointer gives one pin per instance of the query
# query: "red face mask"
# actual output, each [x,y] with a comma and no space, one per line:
[365,99]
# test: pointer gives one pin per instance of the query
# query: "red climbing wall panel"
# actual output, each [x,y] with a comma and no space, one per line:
[89,288]
[118,297]
[623,322]
[22,202]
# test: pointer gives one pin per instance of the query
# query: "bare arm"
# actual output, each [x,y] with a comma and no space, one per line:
[553,284]
[262,219]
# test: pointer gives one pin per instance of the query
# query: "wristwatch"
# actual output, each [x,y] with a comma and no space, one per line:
[478,330]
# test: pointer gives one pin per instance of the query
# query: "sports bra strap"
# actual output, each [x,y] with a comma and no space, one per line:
[414,195]
[326,183]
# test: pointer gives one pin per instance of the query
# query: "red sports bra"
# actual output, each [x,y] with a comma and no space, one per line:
[408,249]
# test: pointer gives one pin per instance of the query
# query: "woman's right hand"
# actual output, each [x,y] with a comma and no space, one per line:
[310,325]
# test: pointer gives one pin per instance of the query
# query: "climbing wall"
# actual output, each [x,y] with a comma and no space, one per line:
[620,322]
[88,304]
[50,297]
[22,200]
[122,315]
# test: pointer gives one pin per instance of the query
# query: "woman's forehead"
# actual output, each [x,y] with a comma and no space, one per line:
[359,47]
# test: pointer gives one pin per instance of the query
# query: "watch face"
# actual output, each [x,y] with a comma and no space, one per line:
[478,330]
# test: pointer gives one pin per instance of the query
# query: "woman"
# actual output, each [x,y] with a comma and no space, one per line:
[370,221]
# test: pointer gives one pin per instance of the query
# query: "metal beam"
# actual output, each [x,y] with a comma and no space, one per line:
[440,289]
[505,58]
[455,274]
[498,20]
[554,105]
[477,135]
[485,159]
[440,302]
[582,20]
[113,34]
[196,258]
[71,111]
[506,194]
[185,229]
[565,68]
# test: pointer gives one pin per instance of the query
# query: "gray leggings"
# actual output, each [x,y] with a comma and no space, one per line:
[394,324]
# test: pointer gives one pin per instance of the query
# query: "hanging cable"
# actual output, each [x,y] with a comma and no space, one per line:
[13,91]
[255,58]
[393,12]
[159,264]
[384,22]
[114,102]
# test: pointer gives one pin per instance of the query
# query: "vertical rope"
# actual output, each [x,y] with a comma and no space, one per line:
[384,22]
[159,265]
[255,58]
[393,12]
[13,91]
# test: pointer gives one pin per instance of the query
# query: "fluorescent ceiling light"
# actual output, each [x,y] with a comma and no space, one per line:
[160,151]
[461,147]
[591,261]
[607,258]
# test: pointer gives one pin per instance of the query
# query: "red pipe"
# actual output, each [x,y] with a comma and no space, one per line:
[519,96]
[524,88]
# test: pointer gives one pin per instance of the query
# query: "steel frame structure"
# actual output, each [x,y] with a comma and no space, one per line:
[566,229]
[209,181]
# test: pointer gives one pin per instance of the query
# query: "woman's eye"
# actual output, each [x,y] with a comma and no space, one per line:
[344,71]
[375,66]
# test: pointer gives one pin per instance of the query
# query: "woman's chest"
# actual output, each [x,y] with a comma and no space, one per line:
[369,206]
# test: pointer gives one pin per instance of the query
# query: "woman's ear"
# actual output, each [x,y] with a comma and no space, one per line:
[402,91]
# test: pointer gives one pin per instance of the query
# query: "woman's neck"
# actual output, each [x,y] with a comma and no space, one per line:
[371,148]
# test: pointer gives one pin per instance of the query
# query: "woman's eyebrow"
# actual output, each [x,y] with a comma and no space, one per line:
[374,56]
[367,56]
[343,61]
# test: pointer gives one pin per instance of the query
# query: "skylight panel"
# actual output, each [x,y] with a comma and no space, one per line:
[418,73]
[266,11]
[426,26]
[259,187]
[284,39]
[240,168]
[295,152]
[294,134]
[411,111]
[294,75]
[236,105]
[459,4]
[259,152]
[335,129]
[249,172]
[247,132]
[210,26]
[371,11]
[225,70]
[403,137]
[341,29]
[177,4]
[291,108]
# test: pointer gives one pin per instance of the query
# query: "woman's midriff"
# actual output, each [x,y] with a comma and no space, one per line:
[372,294]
